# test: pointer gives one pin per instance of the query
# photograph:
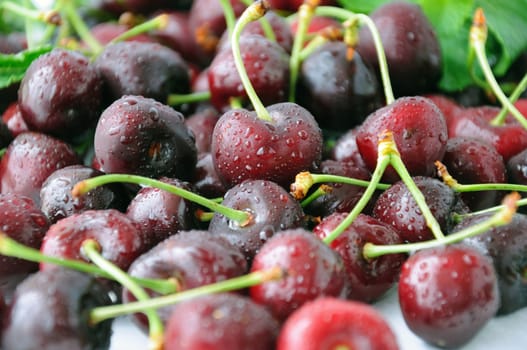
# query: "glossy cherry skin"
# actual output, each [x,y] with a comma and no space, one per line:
[312,270]
[30,158]
[138,135]
[57,202]
[61,93]
[397,207]
[193,258]
[247,147]
[24,222]
[119,238]
[271,207]
[206,180]
[448,294]
[202,123]
[419,130]
[142,68]
[266,63]
[221,321]
[340,91]
[12,118]
[411,46]
[369,278]
[330,323]
[517,171]
[507,247]
[346,149]
[49,311]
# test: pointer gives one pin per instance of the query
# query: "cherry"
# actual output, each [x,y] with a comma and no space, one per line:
[24,222]
[160,214]
[221,321]
[30,158]
[412,49]
[57,202]
[138,135]
[312,270]
[105,32]
[267,67]
[192,259]
[397,207]
[202,123]
[12,118]
[293,5]
[471,161]
[517,170]
[271,207]
[120,240]
[369,278]
[419,130]
[60,94]
[142,68]
[447,105]
[448,294]
[331,323]
[316,24]
[60,298]
[345,149]
[506,246]
[340,91]
[206,180]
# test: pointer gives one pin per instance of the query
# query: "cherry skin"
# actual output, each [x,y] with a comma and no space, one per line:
[272,209]
[312,270]
[247,147]
[138,135]
[369,278]
[346,149]
[448,294]
[330,323]
[206,180]
[202,123]
[12,118]
[51,306]
[220,321]
[419,130]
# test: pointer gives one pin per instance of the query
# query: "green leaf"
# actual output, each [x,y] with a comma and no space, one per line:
[14,66]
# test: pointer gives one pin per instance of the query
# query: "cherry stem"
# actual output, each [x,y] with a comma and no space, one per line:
[179,99]
[343,15]
[203,216]
[305,14]
[520,88]
[251,13]
[82,187]
[305,180]
[266,25]
[385,148]
[10,247]
[502,217]
[80,27]
[102,313]
[51,17]
[459,217]
[158,22]
[478,38]
[319,192]
[325,35]
[91,249]
[228,13]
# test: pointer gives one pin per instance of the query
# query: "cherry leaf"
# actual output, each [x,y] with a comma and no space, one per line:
[14,66]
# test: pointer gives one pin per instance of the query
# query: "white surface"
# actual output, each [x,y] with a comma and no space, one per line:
[504,332]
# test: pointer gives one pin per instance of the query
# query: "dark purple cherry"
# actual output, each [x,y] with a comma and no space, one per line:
[206,180]
[193,259]
[517,171]
[369,278]
[202,123]
[312,270]
[142,68]
[221,321]
[30,158]
[419,130]
[271,207]
[49,312]
[247,147]
[138,135]
[340,91]
[448,294]
[23,221]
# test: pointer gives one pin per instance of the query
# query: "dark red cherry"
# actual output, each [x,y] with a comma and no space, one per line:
[346,149]
[331,323]
[448,294]
[202,123]
[12,118]
[369,278]
[138,135]
[206,180]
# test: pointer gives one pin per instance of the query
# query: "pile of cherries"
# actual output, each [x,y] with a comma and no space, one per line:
[241,175]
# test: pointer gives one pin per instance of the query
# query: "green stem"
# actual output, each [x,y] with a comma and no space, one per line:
[264,22]
[252,13]
[230,17]
[177,99]
[240,216]
[102,313]
[520,88]
[91,249]
[503,217]
[343,15]
[10,247]
[319,192]
[80,27]
[488,187]
[158,22]
[458,217]
[48,17]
